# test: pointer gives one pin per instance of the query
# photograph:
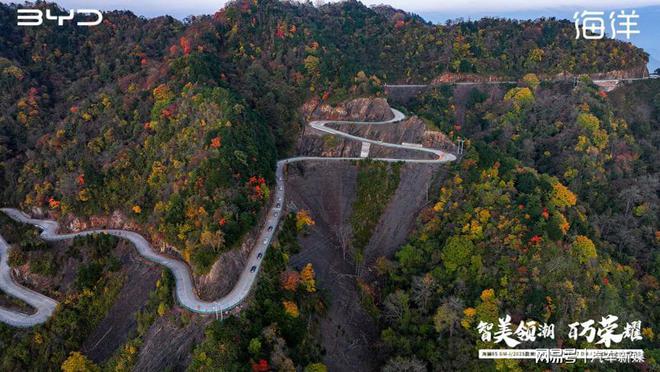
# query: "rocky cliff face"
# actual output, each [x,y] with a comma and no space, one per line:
[359,109]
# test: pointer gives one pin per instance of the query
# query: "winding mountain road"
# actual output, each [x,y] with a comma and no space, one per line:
[185,291]
[45,305]
[498,82]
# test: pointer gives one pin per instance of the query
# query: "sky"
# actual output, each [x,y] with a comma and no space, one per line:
[437,11]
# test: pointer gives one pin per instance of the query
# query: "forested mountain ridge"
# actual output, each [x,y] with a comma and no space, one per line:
[551,214]
[133,114]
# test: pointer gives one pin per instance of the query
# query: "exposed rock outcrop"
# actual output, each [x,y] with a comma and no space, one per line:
[359,109]
[169,346]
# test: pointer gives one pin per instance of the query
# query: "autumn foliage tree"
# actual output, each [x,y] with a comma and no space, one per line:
[289,280]
[303,220]
[77,362]
[307,278]
[291,309]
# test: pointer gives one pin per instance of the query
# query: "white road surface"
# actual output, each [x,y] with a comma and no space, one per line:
[185,291]
[45,306]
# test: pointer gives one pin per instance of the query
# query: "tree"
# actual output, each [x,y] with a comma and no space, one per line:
[588,121]
[77,362]
[457,252]
[307,276]
[487,310]
[557,227]
[303,219]
[162,309]
[289,280]
[185,45]
[531,80]
[423,288]
[402,364]
[254,346]
[262,366]
[316,367]
[448,315]
[396,305]
[312,65]
[584,248]
[521,97]
[562,196]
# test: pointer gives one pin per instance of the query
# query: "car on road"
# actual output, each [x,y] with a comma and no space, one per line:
[270,228]
[253,269]
[278,205]
[277,213]
[265,241]
[260,255]
[281,188]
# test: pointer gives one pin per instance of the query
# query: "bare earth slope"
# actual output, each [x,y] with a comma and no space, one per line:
[328,190]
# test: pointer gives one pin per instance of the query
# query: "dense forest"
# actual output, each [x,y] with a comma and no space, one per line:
[178,124]
[552,214]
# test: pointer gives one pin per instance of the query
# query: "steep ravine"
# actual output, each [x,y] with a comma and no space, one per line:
[328,191]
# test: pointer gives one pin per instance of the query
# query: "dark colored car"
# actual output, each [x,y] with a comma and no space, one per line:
[253,269]
[260,255]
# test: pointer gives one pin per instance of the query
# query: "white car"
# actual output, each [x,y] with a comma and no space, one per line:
[265,241]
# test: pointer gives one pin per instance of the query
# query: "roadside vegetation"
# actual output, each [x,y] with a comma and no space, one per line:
[84,298]
[278,328]
[80,310]
[159,304]
[376,183]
